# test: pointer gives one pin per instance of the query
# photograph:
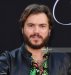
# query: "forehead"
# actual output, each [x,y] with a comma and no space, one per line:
[37,18]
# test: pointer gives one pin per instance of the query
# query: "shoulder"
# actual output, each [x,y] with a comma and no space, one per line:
[60,56]
[59,63]
[7,54]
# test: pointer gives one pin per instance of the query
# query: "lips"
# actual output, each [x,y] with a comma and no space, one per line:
[35,37]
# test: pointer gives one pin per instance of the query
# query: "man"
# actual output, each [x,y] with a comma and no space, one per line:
[32,58]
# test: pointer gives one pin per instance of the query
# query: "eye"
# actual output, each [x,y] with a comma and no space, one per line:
[30,25]
[42,25]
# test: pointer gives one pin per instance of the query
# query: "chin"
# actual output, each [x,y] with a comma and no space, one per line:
[36,43]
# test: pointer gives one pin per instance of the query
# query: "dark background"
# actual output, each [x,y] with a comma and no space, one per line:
[10,34]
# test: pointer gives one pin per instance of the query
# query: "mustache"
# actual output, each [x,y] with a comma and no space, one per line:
[36,35]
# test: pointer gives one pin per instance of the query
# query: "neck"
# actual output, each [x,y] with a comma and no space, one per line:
[34,51]
[37,54]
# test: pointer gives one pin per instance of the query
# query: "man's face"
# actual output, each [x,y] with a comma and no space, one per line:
[36,30]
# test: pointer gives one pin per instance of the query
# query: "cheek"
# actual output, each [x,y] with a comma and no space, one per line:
[27,32]
[45,33]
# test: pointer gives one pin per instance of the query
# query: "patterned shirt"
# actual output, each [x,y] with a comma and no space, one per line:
[42,70]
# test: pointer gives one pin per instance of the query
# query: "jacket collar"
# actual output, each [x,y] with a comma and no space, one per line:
[25,54]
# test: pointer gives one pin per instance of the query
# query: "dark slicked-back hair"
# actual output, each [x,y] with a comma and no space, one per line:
[36,9]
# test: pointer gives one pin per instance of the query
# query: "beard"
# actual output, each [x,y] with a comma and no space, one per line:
[29,43]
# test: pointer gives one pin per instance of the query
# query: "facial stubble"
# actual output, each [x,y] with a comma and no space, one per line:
[29,43]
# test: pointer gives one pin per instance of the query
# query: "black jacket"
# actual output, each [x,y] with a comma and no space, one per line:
[18,62]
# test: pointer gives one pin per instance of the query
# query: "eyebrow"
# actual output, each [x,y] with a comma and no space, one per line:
[39,24]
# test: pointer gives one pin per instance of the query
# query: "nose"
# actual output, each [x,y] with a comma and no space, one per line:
[36,29]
